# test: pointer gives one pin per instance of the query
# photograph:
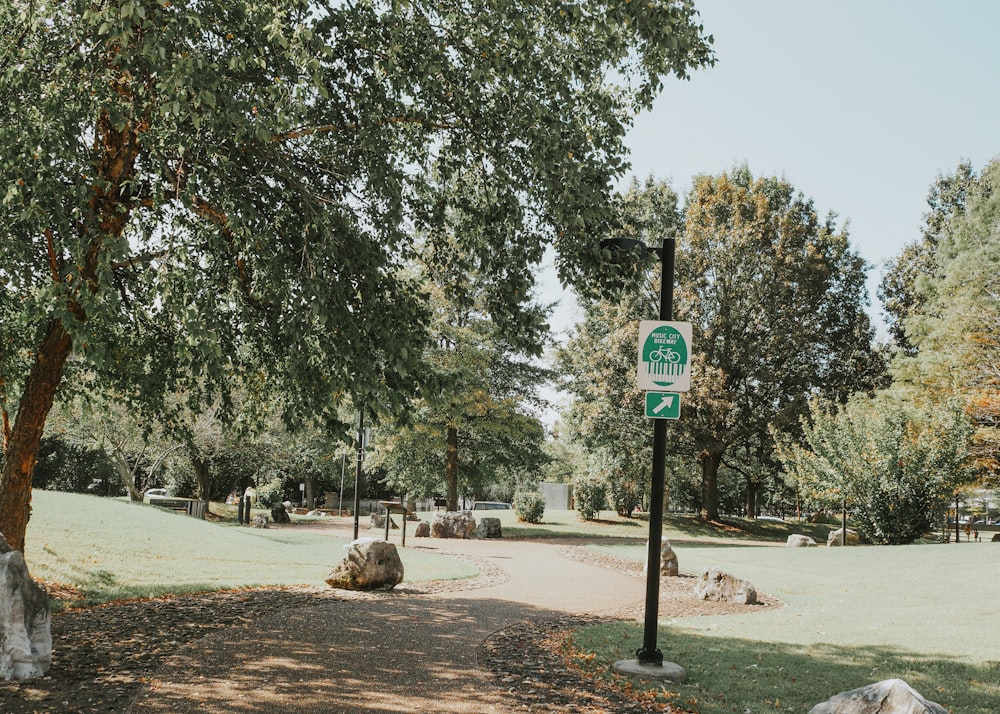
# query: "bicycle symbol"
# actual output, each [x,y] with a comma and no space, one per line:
[664,354]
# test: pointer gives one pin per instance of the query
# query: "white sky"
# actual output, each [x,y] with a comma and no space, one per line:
[860,104]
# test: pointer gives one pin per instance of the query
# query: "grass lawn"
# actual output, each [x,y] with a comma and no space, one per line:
[678,527]
[923,613]
[112,549]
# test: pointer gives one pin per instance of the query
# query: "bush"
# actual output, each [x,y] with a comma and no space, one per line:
[589,494]
[530,506]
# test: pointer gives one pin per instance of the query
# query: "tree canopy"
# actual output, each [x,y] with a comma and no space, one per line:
[198,195]
[776,298]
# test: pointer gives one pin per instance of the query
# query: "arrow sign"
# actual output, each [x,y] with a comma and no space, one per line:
[663,405]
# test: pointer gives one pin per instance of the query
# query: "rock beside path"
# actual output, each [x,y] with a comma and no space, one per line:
[891,696]
[25,626]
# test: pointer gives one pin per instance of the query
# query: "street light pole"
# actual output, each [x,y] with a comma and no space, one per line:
[649,653]
[649,659]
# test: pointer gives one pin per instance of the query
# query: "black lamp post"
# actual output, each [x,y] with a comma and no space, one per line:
[649,657]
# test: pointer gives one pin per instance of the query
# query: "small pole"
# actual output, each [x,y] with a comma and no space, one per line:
[843,525]
[957,536]
[357,472]
[343,467]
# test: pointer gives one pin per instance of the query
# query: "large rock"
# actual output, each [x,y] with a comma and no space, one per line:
[892,696]
[836,537]
[668,559]
[799,541]
[718,586]
[369,565]
[279,513]
[25,626]
[489,528]
[453,524]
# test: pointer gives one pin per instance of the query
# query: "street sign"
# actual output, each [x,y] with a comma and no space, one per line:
[664,356]
[663,405]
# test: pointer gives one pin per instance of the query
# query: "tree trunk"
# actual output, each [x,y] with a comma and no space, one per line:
[26,436]
[451,468]
[204,479]
[752,488]
[109,208]
[710,461]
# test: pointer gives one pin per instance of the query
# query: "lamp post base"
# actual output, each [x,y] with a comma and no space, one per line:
[667,671]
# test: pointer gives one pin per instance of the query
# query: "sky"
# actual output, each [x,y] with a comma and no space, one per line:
[859,104]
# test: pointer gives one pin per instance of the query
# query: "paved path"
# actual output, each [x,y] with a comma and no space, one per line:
[399,653]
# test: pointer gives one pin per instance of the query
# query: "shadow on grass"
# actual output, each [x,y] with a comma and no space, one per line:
[732,675]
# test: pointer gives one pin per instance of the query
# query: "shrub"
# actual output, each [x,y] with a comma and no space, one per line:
[530,506]
[589,494]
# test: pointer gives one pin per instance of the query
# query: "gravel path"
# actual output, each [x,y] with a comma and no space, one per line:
[485,644]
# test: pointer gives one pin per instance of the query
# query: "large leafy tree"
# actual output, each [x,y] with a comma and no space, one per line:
[477,431]
[776,297]
[894,465]
[900,289]
[956,350]
[198,195]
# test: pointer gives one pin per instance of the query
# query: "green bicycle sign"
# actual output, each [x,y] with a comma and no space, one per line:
[664,356]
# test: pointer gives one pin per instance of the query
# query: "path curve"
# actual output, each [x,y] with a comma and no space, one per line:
[385,652]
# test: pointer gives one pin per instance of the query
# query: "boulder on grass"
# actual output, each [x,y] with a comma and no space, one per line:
[718,586]
[836,538]
[453,524]
[368,565]
[489,528]
[799,541]
[25,626]
[279,514]
[669,564]
[423,530]
[892,696]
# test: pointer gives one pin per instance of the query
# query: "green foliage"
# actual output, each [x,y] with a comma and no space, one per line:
[486,393]
[777,301]
[895,465]
[589,495]
[900,289]
[64,465]
[530,506]
[954,334]
[207,196]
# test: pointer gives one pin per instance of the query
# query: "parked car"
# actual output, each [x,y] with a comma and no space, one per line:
[154,494]
[491,506]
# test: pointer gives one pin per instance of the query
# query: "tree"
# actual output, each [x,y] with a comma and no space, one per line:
[899,289]
[956,351]
[893,465]
[477,433]
[204,195]
[776,298]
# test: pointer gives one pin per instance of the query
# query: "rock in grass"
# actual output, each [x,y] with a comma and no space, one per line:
[25,626]
[368,565]
[892,696]
[453,524]
[669,565]
[837,537]
[799,541]
[718,586]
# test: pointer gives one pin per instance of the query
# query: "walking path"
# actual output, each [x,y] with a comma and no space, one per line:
[397,652]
